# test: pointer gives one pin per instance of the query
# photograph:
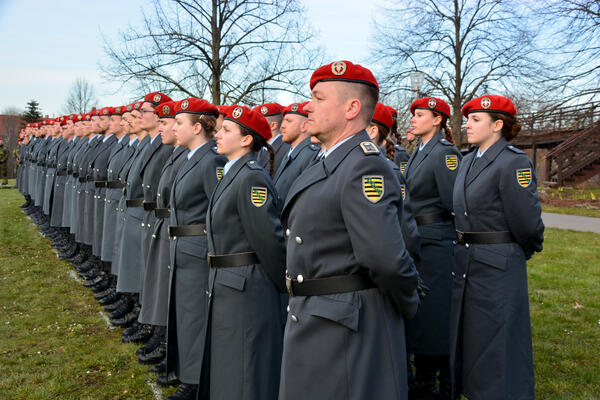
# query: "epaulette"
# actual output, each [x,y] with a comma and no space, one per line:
[369,148]
[515,150]
[445,141]
[253,164]
[314,147]
[214,149]
[398,147]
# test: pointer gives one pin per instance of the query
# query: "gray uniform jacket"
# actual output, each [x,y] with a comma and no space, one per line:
[51,161]
[58,199]
[71,186]
[292,166]
[156,281]
[281,149]
[130,263]
[116,160]
[81,200]
[245,315]
[341,218]
[491,332]
[430,176]
[88,190]
[186,328]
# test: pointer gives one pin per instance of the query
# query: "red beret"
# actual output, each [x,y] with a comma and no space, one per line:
[156,98]
[296,108]
[88,116]
[269,109]
[392,111]
[383,116]
[193,105]
[251,120]
[62,120]
[104,112]
[490,103]
[95,112]
[116,110]
[166,110]
[224,109]
[343,71]
[431,104]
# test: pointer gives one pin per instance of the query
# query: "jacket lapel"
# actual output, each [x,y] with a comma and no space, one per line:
[486,159]
[416,159]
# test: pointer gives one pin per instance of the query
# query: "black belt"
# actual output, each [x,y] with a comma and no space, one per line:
[232,260]
[61,173]
[89,179]
[162,212]
[331,285]
[134,202]
[432,218]
[100,184]
[115,185]
[149,205]
[484,237]
[187,230]
[82,179]
[75,174]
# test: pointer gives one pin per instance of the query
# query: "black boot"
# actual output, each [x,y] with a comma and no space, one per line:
[113,306]
[93,281]
[167,380]
[128,319]
[142,334]
[423,387]
[113,297]
[160,368]
[122,309]
[157,336]
[100,295]
[184,392]
[156,355]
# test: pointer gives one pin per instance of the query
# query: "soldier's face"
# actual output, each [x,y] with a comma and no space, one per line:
[149,120]
[290,127]
[230,141]
[326,113]
[134,122]
[481,129]
[103,123]
[424,122]
[94,125]
[114,124]
[183,129]
[165,126]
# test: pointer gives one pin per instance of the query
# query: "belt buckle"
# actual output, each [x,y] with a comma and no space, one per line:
[209,259]
[288,284]
[460,235]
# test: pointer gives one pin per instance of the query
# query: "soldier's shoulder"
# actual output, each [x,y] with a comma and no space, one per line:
[369,148]
[514,149]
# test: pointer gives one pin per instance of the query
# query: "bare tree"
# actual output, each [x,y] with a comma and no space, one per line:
[463,48]
[226,50]
[81,97]
[574,26]
[11,110]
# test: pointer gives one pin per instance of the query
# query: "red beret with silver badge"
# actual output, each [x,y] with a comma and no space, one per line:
[383,116]
[251,120]
[193,105]
[393,111]
[156,98]
[431,104]
[269,109]
[224,109]
[490,103]
[166,110]
[116,110]
[104,112]
[296,108]
[344,71]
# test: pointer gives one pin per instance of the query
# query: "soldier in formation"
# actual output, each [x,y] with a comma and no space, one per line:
[299,252]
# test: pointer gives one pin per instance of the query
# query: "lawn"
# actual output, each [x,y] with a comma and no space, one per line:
[573,201]
[54,344]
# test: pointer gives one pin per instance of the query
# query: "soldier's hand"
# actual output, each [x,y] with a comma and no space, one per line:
[422,289]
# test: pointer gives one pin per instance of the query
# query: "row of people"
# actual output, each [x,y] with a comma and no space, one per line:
[310,263]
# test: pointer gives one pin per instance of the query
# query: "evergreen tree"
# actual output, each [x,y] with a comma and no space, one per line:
[33,113]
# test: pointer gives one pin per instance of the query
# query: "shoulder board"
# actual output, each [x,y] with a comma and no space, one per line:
[253,164]
[369,148]
[515,150]
[214,149]
[445,141]
[314,147]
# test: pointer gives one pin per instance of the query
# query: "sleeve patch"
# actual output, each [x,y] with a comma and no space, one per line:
[219,173]
[373,187]
[258,195]
[451,162]
[524,177]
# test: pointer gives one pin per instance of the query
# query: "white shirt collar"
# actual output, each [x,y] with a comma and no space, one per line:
[132,141]
[228,165]
[192,152]
[335,146]
[423,144]
[107,137]
[152,140]
[274,138]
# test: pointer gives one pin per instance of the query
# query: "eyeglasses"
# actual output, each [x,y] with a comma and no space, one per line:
[147,111]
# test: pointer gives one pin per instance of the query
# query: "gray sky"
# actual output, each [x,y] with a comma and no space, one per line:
[46,45]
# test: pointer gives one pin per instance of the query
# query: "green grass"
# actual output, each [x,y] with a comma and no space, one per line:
[581,211]
[53,342]
[55,345]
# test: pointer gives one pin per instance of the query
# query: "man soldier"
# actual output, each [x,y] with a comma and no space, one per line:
[273,113]
[15,155]
[294,131]
[350,279]
[4,154]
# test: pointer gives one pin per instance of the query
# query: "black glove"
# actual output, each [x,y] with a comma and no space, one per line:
[422,289]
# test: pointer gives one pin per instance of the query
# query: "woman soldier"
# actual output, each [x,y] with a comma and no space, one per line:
[498,227]
[195,121]
[401,156]
[430,176]
[378,131]
[247,260]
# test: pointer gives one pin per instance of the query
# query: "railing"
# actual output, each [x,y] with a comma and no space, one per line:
[563,119]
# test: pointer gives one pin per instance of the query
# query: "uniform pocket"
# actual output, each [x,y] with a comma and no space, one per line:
[230,279]
[490,257]
[192,245]
[343,308]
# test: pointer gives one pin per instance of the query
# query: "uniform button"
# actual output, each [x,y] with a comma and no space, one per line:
[174,237]
[205,231]
[464,276]
[466,214]
[467,245]
[288,308]
[294,318]
[453,274]
[153,236]
[142,224]
[298,240]
[288,232]
[168,267]
[454,242]
[209,294]
[300,278]
[158,194]
[147,186]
